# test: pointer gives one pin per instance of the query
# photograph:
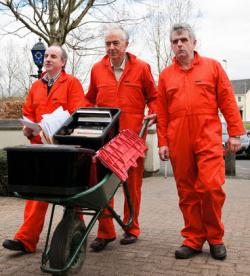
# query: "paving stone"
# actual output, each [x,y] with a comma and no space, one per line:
[153,254]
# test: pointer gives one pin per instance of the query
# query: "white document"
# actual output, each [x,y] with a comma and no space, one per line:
[49,124]
[52,122]
[29,124]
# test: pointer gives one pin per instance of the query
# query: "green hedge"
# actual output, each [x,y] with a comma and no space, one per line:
[3,173]
[247,125]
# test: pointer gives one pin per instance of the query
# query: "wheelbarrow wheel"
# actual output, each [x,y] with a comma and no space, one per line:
[65,240]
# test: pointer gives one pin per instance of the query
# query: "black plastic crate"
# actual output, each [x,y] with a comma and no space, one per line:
[96,127]
[58,170]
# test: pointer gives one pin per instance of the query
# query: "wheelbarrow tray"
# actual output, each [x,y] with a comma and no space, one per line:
[96,197]
[95,129]
[50,170]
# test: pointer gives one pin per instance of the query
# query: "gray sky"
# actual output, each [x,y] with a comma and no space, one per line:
[223,33]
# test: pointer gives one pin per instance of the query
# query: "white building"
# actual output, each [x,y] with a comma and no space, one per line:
[242,94]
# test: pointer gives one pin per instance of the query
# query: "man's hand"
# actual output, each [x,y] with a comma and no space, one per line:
[234,144]
[164,153]
[27,132]
[152,119]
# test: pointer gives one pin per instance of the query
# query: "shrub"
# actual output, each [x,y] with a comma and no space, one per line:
[11,108]
[3,173]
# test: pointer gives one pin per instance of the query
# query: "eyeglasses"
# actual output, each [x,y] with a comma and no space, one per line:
[115,43]
[182,40]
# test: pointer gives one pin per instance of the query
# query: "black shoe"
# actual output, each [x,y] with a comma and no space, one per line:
[14,245]
[218,251]
[185,252]
[128,239]
[99,244]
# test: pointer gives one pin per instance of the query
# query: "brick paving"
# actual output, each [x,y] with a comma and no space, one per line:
[153,254]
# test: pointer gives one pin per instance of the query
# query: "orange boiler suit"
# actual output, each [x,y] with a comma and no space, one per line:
[189,125]
[67,92]
[134,90]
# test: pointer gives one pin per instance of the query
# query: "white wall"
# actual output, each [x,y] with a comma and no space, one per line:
[248,106]
[10,138]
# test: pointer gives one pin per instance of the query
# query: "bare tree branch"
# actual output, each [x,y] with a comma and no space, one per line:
[75,23]
[164,13]
[53,20]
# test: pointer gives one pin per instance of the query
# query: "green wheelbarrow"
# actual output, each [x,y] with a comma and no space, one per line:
[103,172]
[65,252]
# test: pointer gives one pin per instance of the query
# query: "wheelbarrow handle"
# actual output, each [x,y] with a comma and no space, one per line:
[144,127]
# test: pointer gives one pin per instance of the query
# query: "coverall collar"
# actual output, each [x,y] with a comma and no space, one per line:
[122,65]
[56,85]
[52,80]
[63,73]
[195,61]
[130,58]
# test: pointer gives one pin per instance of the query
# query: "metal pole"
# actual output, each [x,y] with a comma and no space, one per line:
[165,169]
[39,72]
[225,66]
[230,163]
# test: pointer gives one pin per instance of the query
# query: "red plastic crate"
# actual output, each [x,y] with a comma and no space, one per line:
[122,152]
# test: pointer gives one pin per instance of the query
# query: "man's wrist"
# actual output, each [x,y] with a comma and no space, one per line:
[237,137]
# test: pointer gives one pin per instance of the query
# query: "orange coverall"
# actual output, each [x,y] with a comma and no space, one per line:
[188,123]
[67,92]
[131,93]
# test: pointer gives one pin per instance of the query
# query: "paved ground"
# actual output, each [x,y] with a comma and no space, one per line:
[243,167]
[242,164]
[153,254]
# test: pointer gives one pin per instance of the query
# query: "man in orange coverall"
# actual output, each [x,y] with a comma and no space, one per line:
[191,90]
[122,80]
[55,88]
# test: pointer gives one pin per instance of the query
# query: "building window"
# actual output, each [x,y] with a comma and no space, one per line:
[239,99]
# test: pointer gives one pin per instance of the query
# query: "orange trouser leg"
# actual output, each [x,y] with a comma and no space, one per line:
[202,205]
[34,216]
[199,172]
[189,202]
[106,229]
[209,187]
[134,187]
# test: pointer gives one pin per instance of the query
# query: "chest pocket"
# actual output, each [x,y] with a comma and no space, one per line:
[133,85]
[39,102]
[131,94]
[175,99]
[56,102]
[206,92]
[106,95]
[206,86]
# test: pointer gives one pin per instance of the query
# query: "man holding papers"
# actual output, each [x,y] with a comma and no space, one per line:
[55,89]
[48,125]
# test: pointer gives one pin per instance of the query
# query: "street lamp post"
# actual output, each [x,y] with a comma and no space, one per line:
[38,51]
[230,158]
[225,61]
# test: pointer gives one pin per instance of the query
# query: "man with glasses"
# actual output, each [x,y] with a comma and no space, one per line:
[122,80]
[190,92]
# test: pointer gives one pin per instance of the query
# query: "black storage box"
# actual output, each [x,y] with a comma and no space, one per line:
[58,170]
[89,127]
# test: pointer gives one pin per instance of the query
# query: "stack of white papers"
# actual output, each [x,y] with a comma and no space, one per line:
[87,132]
[52,122]
[49,124]
[29,124]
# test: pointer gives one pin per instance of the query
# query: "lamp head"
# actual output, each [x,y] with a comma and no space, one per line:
[38,51]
